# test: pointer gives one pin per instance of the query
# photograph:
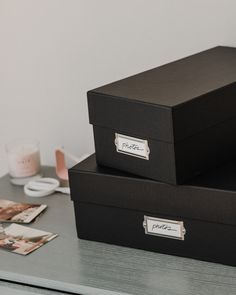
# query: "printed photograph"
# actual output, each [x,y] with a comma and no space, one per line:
[19,212]
[23,240]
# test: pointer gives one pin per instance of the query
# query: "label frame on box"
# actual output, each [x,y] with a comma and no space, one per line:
[164,228]
[132,146]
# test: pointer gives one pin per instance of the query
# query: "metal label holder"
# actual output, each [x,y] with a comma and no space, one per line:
[164,228]
[132,146]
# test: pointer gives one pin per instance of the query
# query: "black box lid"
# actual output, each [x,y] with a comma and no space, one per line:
[211,197]
[173,101]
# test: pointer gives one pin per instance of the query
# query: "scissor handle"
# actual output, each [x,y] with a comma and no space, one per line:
[41,187]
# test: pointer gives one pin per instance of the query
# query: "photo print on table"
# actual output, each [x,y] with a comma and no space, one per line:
[23,240]
[19,212]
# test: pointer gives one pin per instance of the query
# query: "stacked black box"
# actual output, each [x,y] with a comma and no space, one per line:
[174,121]
[198,219]
[169,124]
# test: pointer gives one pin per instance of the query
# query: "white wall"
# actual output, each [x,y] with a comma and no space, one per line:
[53,51]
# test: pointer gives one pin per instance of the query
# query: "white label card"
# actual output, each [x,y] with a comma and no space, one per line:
[164,227]
[132,146]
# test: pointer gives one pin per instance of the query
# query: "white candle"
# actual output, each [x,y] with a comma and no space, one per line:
[23,159]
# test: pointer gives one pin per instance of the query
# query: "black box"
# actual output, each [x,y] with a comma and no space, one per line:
[181,118]
[196,220]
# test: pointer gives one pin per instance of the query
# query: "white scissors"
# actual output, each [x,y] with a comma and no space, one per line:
[43,187]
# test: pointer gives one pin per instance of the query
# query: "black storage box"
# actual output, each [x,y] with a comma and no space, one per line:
[169,123]
[197,220]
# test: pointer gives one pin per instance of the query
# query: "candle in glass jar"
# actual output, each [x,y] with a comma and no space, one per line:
[23,159]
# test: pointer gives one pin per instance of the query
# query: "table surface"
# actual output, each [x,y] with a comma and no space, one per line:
[84,267]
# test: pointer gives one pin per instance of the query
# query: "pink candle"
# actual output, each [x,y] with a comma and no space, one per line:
[23,159]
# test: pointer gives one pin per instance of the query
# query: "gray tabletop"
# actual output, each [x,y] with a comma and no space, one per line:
[83,267]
